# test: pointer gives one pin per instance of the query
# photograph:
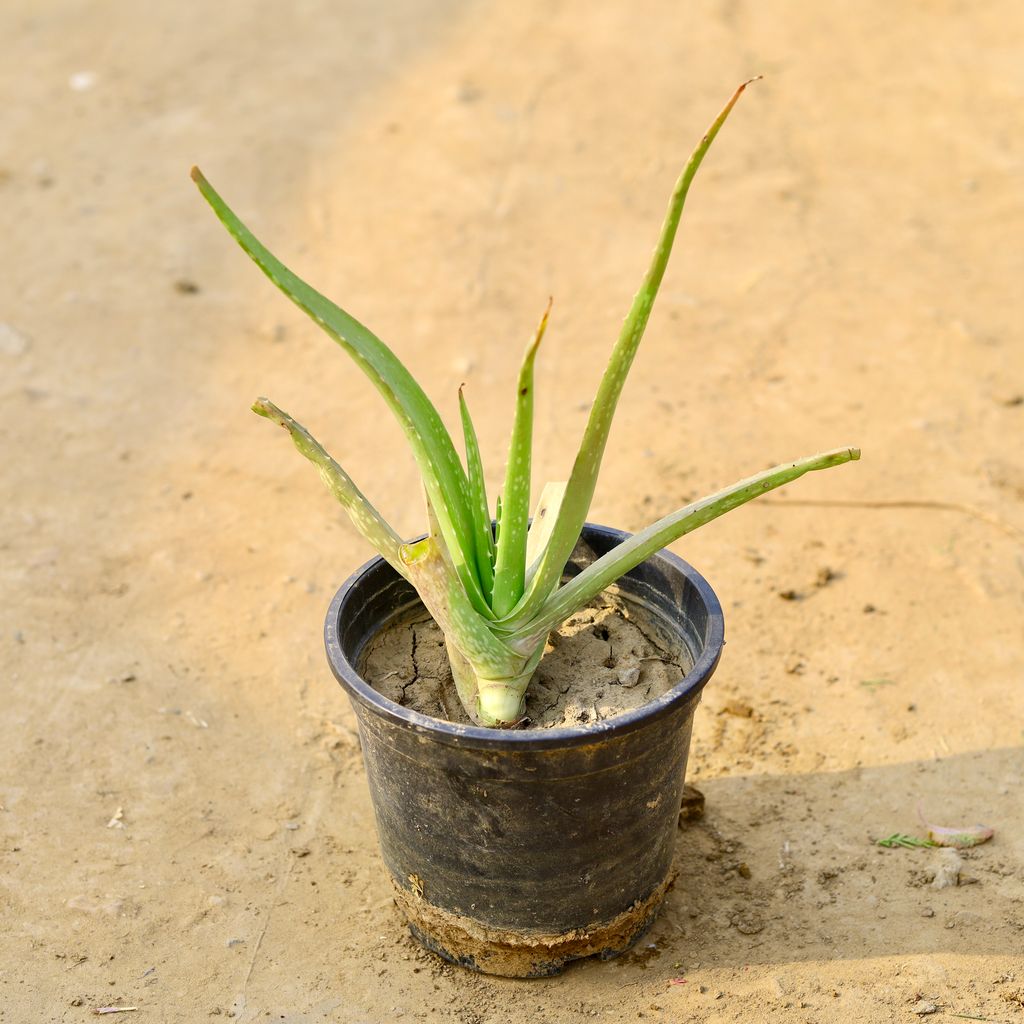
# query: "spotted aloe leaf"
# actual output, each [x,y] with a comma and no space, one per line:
[510,564]
[483,535]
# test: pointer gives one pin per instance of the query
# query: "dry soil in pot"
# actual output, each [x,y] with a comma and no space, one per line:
[606,659]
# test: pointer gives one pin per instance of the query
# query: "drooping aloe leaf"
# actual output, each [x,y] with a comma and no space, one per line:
[431,444]
[580,488]
[510,564]
[483,536]
[630,553]
[366,519]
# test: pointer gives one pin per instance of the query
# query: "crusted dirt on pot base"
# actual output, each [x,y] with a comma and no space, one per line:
[512,954]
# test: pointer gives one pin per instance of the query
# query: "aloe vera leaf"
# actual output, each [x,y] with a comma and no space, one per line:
[583,479]
[545,514]
[439,588]
[483,536]
[366,519]
[431,443]
[631,552]
[510,564]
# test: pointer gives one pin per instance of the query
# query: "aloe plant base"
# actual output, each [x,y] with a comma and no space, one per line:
[514,852]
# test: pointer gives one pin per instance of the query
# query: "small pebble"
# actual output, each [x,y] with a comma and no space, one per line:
[40,170]
[629,677]
[691,806]
[12,342]
[82,81]
[946,864]
[738,708]
[825,577]
[748,924]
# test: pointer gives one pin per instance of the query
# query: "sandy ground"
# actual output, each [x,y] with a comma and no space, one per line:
[185,822]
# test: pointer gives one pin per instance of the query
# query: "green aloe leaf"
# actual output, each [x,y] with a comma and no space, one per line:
[580,489]
[630,553]
[483,535]
[440,590]
[510,564]
[366,519]
[432,447]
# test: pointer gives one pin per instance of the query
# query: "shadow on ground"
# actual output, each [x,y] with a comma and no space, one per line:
[807,874]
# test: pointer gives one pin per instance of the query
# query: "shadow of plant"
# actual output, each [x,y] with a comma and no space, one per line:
[785,868]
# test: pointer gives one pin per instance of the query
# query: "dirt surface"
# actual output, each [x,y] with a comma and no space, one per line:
[600,663]
[185,826]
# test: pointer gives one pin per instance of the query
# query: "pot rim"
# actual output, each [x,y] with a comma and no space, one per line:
[481,738]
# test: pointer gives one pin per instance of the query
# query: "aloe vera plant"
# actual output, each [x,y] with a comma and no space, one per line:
[497,591]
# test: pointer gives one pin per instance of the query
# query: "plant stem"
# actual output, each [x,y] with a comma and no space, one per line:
[501,703]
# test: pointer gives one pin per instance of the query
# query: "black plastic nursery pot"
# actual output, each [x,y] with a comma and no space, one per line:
[515,851]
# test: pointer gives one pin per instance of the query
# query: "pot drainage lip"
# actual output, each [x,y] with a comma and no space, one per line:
[478,737]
